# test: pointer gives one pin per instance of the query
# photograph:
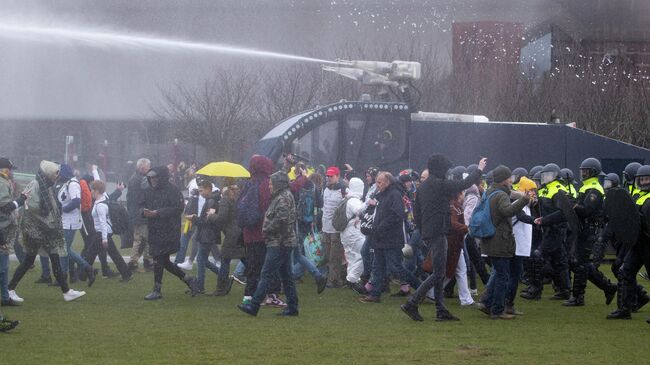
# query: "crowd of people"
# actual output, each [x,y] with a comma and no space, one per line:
[428,232]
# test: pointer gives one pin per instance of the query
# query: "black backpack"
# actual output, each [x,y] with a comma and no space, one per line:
[248,206]
[118,215]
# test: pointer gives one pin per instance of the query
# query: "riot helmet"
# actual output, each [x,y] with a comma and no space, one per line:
[643,178]
[534,170]
[629,174]
[611,181]
[550,172]
[537,178]
[567,176]
[589,168]
[518,173]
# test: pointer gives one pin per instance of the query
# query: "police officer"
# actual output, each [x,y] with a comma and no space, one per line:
[629,175]
[589,209]
[554,227]
[637,255]
[517,174]
[567,179]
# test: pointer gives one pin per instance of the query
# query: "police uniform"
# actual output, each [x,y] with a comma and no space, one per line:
[554,233]
[589,209]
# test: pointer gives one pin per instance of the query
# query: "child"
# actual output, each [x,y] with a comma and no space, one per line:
[207,233]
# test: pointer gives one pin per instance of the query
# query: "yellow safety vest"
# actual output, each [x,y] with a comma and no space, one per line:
[591,183]
[642,198]
[551,189]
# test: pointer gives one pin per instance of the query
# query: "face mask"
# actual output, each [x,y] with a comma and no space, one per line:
[547,177]
[607,184]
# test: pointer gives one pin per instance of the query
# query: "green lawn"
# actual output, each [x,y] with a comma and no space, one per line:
[113,325]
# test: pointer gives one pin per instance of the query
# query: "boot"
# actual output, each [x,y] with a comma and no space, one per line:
[561,295]
[148,266]
[191,283]
[223,286]
[533,293]
[610,293]
[155,293]
[575,301]
[619,314]
[91,274]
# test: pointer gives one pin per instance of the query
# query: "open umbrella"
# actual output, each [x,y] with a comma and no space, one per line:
[225,169]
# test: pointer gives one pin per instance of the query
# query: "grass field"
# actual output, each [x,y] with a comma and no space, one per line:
[113,325]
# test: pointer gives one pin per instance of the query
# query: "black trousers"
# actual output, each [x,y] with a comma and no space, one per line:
[29,261]
[161,263]
[87,234]
[637,256]
[96,246]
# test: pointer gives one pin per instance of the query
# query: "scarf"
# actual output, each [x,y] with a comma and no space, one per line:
[44,187]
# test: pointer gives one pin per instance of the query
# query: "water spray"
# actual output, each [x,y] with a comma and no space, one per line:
[105,39]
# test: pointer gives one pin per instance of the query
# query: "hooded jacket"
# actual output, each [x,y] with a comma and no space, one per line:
[431,209]
[165,228]
[388,230]
[226,221]
[260,168]
[280,217]
[355,207]
[502,244]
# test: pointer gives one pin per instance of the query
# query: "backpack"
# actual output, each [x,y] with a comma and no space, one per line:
[305,207]
[480,225]
[248,206]
[118,215]
[86,197]
[340,218]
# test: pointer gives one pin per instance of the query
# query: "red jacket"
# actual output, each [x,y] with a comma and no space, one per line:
[260,168]
[455,238]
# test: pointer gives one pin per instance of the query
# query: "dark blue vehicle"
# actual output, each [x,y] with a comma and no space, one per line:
[389,135]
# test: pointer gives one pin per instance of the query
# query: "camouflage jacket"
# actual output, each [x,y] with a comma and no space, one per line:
[280,219]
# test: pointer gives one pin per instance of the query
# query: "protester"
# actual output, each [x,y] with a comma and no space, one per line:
[163,206]
[225,220]
[69,196]
[253,203]
[387,238]
[433,219]
[280,239]
[501,247]
[456,266]
[351,238]
[207,234]
[103,236]
[42,229]
[333,194]
[134,199]
[8,231]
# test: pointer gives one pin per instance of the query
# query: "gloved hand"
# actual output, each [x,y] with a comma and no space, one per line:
[599,251]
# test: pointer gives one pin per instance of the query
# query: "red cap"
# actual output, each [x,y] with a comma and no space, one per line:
[333,170]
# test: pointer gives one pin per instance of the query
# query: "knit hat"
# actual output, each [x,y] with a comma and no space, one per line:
[66,171]
[49,168]
[501,173]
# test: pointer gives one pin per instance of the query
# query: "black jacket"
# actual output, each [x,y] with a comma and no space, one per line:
[388,225]
[206,231]
[164,229]
[135,198]
[431,209]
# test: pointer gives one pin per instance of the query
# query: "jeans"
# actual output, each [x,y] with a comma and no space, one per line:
[203,262]
[500,284]
[366,255]
[69,234]
[224,270]
[438,247]
[4,276]
[239,269]
[390,261]
[277,261]
[516,269]
[414,263]
[300,263]
[185,242]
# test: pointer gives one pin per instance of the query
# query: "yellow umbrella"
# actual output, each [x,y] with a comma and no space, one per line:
[225,169]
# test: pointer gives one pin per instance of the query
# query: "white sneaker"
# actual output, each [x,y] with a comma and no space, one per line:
[187,265]
[72,294]
[13,296]
[473,292]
